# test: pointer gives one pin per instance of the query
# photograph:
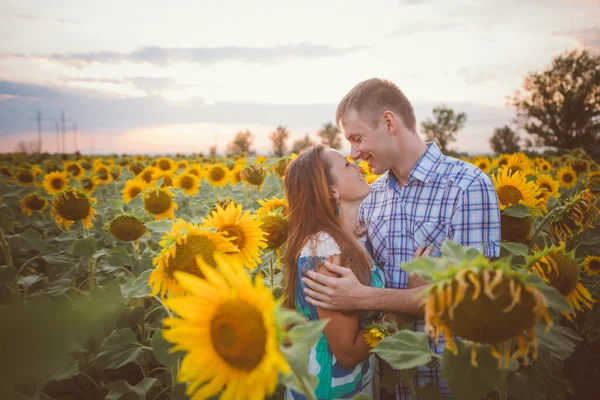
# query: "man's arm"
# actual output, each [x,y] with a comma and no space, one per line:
[476,219]
[347,293]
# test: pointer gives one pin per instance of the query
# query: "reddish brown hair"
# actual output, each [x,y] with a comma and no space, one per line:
[311,210]
[373,97]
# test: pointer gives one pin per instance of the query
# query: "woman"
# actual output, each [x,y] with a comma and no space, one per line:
[324,192]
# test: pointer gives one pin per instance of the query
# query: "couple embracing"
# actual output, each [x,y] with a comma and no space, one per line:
[349,240]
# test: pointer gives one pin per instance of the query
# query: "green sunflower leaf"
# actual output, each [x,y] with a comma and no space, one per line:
[405,349]
[517,210]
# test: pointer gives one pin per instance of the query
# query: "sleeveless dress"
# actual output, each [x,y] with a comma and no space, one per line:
[335,381]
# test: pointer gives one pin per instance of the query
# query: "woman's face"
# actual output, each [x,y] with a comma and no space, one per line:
[349,182]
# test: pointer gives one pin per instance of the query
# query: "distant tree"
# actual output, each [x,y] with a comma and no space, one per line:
[241,143]
[28,147]
[279,138]
[444,126]
[302,144]
[505,140]
[561,105]
[212,151]
[330,136]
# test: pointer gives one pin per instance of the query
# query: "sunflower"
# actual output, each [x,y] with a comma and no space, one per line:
[180,251]
[591,265]
[133,187]
[5,172]
[127,227]
[217,175]
[483,163]
[567,176]
[260,159]
[561,271]
[513,188]
[501,161]
[72,206]
[33,202]
[195,170]
[271,205]
[254,175]
[183,164]
[544,166]
[485,302]
[135,167]
[373,336]
[147,174]
[74,169]
[371,178]
[188,182]
[519,162]
[229,331]
[168,178]
[159,202]
[25,176]
[88,186]
[244,231]
[276,226]
[515,229]
[236,175]
[55,182]
[102,174]
[578,213]
[280,167]
[164,164]
[580,166]
[549,187]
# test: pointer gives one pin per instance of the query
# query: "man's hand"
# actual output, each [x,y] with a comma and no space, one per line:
[339,294]
[415,280]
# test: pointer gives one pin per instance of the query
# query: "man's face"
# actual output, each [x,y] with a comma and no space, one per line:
[366,143]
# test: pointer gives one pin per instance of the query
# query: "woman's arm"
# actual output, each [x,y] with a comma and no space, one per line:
[343,331]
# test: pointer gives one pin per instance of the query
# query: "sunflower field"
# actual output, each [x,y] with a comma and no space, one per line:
[137,277]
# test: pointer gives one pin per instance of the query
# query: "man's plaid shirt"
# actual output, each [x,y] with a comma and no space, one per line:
[443,198]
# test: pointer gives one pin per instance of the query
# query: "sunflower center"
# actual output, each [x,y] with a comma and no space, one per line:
[508,195]
[127,228]
[194,172]
[238,334]
[34,203]
[515,229]
[546,187]
[186,182]
[74,169]
[567,276]
[276,229]
[567,177]
[234,232]
[164,165]
[134,191]
[514,168]
[594,265]
[57,183]
[157,202]
[545,167]
[185,256]
[25,176]
[217,173]
[72,207]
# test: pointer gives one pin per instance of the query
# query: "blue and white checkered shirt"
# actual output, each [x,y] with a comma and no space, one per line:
[443,198]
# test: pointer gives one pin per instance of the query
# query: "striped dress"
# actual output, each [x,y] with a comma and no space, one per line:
[335,381]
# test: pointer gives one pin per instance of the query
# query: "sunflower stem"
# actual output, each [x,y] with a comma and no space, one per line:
[136,249]
[271,273]
[304,386]
[92,278]
[10,263]
[541,226]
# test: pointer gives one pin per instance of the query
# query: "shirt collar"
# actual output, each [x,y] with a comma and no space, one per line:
[424,169]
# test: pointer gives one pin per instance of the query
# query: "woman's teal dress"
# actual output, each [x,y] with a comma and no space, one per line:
[335,381]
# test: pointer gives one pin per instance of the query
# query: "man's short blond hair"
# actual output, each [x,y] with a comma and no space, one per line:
[371,98]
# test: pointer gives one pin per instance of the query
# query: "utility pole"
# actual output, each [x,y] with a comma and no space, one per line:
[62,130]
[75,137]
[38,118]
[57,138]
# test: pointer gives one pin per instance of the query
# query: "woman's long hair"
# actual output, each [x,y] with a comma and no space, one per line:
[311,210]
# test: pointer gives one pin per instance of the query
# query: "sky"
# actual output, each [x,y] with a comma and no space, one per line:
[154,77]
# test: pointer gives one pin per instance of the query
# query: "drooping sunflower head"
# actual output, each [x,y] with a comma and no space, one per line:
[580,166]
[483,163]
[273,204]
[484,302]
[33,202]
[217,175]
[181,249]
[188,182]
[71,206]
[56,182]
[515,229]
[277,227]
[549,187]
[165,164]
[561,271]
[236,347]
[25,177]
[566,176]
[74,169]
[280,166]
[5,172]
[576,214]
[591,265]
[513,188]
[593,183]
[133,187]
[160,203]
[127,227]
[254,175]
[243,229]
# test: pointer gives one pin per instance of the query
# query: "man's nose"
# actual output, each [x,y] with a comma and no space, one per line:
[354,152]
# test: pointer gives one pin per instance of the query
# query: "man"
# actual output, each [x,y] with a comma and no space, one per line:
[423,198]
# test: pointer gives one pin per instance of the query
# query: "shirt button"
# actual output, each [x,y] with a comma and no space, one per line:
[402,203]
[403,231]
[402,262]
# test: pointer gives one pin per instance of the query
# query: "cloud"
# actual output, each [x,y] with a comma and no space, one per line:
[418,27]
[589,37]
[31,18]
[163,56]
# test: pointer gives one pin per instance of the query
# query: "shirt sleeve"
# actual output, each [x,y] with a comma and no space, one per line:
[476,219]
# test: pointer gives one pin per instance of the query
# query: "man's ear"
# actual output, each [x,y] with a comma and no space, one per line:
[390,121]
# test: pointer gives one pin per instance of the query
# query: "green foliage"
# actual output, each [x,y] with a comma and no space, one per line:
[120,348]
[444,126]
[505,140]
[405,349]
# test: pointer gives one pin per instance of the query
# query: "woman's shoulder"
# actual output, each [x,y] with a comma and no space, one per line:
[320,244]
